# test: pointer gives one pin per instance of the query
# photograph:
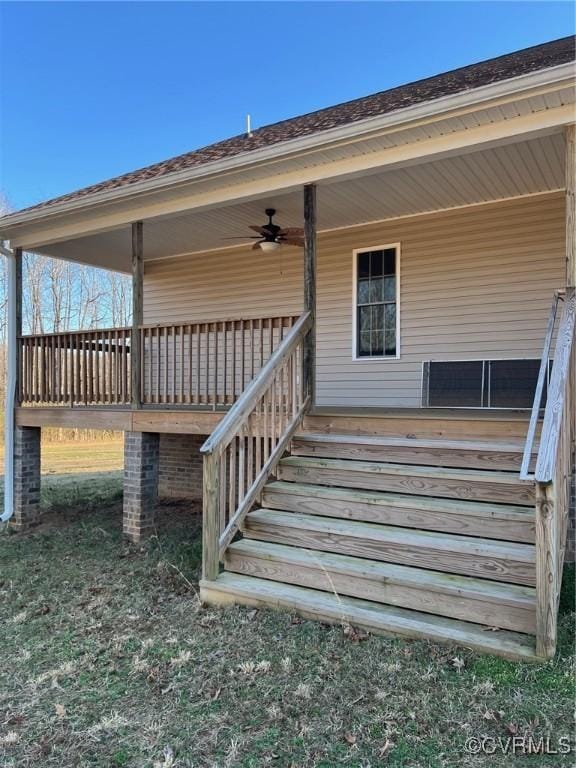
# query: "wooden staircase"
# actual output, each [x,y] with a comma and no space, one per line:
[413,536]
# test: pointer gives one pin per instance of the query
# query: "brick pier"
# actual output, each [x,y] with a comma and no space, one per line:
[141,454]
[26,477]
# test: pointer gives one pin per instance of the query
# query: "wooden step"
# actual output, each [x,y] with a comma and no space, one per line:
[470,518]
[468,484]
[466,555]
[491,603]
[449,423]
[232,588]
[431,452]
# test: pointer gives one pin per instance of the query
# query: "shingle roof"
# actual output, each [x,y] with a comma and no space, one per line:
[466,78]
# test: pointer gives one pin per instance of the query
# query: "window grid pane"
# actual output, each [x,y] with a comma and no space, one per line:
[376,303]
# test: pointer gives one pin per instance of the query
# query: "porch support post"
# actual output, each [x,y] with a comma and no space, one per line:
[570,136]
[137,312]
[18,326]
[309,358]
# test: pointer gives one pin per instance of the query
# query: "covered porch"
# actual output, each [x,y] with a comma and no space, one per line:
[253,351]
[479,239]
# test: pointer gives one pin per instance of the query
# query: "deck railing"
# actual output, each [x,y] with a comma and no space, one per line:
[206,363]
[76,368]
[245,447]
[553,476]
[198,364]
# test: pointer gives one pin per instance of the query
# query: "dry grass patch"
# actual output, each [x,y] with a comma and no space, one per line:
[109,660]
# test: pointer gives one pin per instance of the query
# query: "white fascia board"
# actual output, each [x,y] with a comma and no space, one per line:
[358,130]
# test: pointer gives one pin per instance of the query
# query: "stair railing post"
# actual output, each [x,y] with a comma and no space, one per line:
[211,518]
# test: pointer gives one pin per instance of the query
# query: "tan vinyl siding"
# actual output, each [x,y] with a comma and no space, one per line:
[474,283]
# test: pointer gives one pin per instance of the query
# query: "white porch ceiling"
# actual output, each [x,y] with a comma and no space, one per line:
[511,170]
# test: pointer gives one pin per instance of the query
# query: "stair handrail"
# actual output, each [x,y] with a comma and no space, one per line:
[243,450]
[554,468]
[525,473]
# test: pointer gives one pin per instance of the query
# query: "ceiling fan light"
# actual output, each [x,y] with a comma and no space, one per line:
[269,245]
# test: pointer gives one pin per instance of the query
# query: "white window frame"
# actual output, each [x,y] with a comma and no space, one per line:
[372,358]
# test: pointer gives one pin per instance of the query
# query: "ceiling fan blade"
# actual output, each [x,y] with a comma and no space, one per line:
[291,232]
[242,237]
[256,246]
[297,241]
[262,230]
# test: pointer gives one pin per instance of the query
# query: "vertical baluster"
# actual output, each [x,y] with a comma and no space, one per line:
[261,329]
[174,394]
[225,377]
[206,362]
[105,365]
[117,368]
[89,364]
[233,458]
[45,367]
[258,432]
[223,474]
[85,368]
[250,453]
[158,359]
[109,366]
[38,368]
[32,356]
[216,366]
[73,378]
[181,329]
[265,431]
[42,368]
[198,328]
[273,427]
[22,372]
[281,374]
[294,385]
[166,363]
[189,390]
[114,361]
[144,367]
[243,353]
[49,369]
[29,364]
[78,364]
[271,339]
[96,354]
[127,373]
[251,348]
[241,466]
[25,358]
[234,353]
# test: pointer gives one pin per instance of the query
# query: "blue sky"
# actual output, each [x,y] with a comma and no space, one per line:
[90,90]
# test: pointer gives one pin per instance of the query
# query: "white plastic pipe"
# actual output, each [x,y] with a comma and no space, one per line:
[11,341]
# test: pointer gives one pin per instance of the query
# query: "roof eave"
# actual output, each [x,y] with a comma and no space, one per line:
[550,76]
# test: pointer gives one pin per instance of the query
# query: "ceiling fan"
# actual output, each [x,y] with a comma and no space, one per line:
[270,236]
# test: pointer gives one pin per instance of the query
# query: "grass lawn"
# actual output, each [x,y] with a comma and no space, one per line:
[109,660]
[68,479]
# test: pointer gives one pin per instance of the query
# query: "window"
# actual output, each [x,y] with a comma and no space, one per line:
[376,277]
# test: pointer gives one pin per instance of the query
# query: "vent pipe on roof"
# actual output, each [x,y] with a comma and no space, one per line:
[248,126]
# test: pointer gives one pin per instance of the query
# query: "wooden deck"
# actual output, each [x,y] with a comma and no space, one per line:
[194,419]
[191,422]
